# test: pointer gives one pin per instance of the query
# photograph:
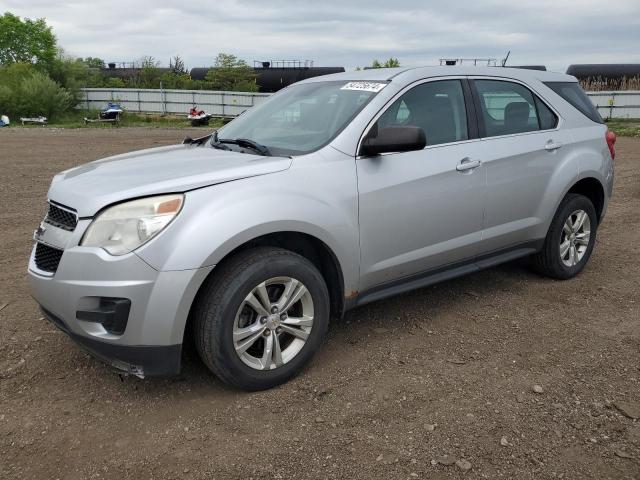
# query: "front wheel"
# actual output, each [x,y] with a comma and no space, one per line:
[570,239]
[261,317]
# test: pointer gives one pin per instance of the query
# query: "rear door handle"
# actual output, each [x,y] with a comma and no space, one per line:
[551,146]
[467,164]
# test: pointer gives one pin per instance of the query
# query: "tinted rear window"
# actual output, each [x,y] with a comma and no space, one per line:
[573,94]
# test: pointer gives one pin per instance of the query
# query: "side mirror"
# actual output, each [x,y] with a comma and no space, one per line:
[393,139]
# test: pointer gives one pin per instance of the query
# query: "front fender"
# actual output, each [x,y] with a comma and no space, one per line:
[315,199]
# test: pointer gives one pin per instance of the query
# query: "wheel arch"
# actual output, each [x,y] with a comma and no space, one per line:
[593,189]
[311,247]
[314,250]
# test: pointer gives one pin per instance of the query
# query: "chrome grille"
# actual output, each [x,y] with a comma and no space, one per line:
[47,258]
[61,218]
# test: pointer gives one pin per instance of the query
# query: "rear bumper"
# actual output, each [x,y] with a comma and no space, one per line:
[142,361]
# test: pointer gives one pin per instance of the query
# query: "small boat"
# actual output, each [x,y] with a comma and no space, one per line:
[198,117]
[111,112]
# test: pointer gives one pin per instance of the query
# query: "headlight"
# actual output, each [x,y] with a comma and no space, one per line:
[124,227]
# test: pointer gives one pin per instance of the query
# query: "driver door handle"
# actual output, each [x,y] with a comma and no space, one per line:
[467,164]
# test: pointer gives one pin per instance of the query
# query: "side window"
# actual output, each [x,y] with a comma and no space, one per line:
[437,107]
[509,108]
[548,119]
[573,94]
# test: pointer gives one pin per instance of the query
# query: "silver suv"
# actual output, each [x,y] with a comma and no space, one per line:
[337,191]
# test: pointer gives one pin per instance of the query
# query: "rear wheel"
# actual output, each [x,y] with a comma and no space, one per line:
[570,239]
[261,317]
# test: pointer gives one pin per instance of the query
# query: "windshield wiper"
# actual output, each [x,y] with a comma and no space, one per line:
[196,141]
[215,143]
[247,143]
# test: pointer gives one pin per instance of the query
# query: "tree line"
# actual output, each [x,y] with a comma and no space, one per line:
[229,73]
[37,77]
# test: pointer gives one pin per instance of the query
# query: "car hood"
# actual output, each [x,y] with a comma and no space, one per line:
[177,168]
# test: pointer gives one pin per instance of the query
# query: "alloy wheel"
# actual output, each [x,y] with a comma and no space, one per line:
[273,323]
[574,239]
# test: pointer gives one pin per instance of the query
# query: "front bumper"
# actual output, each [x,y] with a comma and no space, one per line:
[159,306]
[142,361]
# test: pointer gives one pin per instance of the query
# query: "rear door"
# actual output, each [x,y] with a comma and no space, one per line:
[422,210]
[523,145]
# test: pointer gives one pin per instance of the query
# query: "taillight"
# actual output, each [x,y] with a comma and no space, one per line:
[611,141]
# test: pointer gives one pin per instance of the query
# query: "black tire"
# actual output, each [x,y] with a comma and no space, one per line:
[221,298]
[548,261]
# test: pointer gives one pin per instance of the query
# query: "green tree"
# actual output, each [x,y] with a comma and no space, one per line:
[176,64]
[93,62]
[180,81]
[392,63]
[389,63]
[96,79]
[70,73]
[36,77]
[231,73]
[28,41]
[149,75]
[111,82]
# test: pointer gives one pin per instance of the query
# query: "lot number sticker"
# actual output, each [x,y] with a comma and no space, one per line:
[364,86]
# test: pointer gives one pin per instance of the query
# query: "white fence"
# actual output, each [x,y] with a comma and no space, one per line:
[218,104]
[620,104]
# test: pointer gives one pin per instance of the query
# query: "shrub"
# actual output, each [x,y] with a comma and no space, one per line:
[28,93]
[10,79]
[6,101]
[39,95]
[70,73]
[113,82]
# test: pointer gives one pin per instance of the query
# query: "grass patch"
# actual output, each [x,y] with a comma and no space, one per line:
[75,119]
[625,127]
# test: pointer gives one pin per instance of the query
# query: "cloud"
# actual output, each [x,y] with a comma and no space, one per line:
[332,32]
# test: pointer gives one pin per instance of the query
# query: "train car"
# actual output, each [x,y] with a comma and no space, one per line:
[607,76]
[613,71]
[271,79]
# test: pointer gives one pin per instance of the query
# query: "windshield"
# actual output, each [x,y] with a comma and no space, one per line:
[302,118]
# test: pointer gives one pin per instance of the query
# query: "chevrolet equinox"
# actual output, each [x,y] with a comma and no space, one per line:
[337,191]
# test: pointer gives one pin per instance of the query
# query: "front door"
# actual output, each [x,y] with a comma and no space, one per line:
[422,210]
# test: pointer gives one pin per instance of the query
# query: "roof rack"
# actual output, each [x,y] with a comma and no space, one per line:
[113,65]
[489,62]
[301,64]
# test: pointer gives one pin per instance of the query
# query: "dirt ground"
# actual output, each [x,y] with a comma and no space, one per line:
[401,389]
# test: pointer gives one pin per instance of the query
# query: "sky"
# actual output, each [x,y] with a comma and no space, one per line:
[347,33]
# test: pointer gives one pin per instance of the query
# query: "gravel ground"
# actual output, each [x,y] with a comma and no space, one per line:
[501,374]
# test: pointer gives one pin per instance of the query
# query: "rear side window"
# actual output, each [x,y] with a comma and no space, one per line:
[507,108]
[573,94]
[546,117]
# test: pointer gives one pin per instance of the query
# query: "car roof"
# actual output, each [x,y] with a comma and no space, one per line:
[410,74]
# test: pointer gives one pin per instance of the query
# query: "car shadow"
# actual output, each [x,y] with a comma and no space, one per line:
[392,312]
